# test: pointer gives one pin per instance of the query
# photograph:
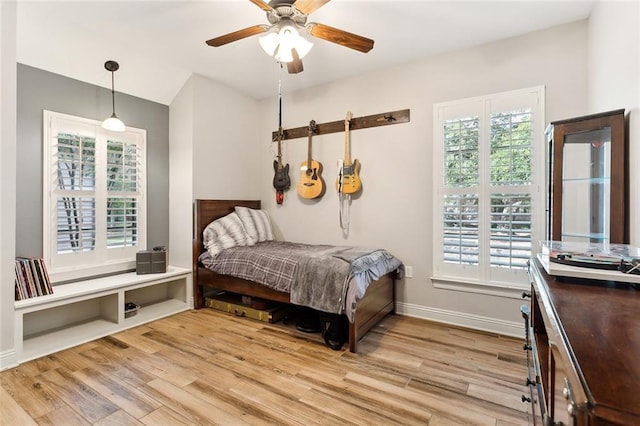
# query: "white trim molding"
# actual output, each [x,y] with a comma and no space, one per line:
[461,319]
[513,291]
[8,359]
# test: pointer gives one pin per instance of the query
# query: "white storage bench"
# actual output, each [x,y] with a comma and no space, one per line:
[86,310]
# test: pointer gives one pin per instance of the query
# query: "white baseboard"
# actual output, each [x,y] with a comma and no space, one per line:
[461,319]
[8,359]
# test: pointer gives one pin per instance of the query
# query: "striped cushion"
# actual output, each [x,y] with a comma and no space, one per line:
[224,233]
[256,223]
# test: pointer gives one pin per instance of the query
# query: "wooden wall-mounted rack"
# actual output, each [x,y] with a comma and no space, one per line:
[384,119]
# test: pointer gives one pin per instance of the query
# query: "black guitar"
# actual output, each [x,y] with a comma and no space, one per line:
[281,180]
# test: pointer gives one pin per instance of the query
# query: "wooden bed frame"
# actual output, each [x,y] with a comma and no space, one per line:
[378,301]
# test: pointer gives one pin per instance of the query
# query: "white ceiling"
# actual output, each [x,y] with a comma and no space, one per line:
[159,44]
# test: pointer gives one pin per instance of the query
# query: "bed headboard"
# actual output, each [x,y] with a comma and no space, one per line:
[206,211]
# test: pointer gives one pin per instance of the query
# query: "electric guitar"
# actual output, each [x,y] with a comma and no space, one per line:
[281,181]
[348,181]
[310,184]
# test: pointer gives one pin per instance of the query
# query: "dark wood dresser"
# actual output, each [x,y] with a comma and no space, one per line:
[583,343]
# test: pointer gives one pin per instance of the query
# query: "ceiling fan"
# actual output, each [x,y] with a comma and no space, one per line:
[283,42]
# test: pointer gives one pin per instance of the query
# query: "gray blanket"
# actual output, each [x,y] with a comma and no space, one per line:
[316,276]
[324,276]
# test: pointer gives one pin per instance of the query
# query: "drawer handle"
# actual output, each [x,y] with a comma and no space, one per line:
[526,347]
[567,392]
[526,294]
[239,313]
[525,399]
[530,382]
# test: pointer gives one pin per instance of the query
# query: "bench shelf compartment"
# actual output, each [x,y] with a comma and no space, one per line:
[83,311]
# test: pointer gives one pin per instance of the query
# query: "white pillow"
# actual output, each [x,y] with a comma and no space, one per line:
[256,224]
[224,233]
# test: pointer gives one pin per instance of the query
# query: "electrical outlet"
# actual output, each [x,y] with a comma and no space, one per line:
[408,271]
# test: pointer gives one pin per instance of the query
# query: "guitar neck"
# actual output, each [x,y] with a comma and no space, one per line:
[312,128]
[347,140]
[279,146]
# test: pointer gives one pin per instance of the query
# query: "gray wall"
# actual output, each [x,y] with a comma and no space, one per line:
[39,90]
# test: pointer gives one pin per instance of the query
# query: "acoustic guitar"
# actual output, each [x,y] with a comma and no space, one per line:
[310,184]
[281,181]
[348,181]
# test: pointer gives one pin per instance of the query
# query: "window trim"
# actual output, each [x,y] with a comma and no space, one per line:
[473,278]
[102,261]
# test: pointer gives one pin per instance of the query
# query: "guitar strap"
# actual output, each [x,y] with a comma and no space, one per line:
[345,211]
[279,193]
[344,200]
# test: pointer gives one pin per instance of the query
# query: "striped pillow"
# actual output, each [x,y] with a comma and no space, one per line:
[256,223]
[224,233]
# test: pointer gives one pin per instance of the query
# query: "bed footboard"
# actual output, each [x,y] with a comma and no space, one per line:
[378,301]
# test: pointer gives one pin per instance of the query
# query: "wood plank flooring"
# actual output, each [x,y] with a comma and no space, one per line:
[205,367]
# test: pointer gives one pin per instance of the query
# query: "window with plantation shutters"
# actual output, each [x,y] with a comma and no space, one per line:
[94,197]
[122,177]
[488,175]
[511,180]
[74,161]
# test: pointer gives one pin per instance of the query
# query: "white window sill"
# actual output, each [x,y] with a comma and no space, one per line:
[81,273]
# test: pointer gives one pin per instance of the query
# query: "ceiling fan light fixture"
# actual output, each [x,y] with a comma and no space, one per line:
[303,46]
[283,54]
[280,44]
[113,123]
[288,34]
[269,43]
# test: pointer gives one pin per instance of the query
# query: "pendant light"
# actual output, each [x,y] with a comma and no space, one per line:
[113,123]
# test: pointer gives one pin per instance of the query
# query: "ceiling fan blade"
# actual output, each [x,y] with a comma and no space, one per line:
[237,35]
[341,37]
[262,5]
[295,66]
[309,6]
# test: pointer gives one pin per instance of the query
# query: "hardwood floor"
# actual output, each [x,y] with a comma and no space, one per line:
[205,367]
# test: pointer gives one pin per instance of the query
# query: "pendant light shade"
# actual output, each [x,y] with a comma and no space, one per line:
[113,123]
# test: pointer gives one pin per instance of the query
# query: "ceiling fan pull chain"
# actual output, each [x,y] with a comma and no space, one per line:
[280,97]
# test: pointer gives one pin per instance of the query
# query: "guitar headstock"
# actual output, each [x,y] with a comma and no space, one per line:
[279,136]
[312,127]
[347,120]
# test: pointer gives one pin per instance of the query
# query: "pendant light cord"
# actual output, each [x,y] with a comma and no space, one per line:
[113,123]
[113,95]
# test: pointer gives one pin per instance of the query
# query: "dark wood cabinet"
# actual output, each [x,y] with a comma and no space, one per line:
[588,179]
[584,343]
